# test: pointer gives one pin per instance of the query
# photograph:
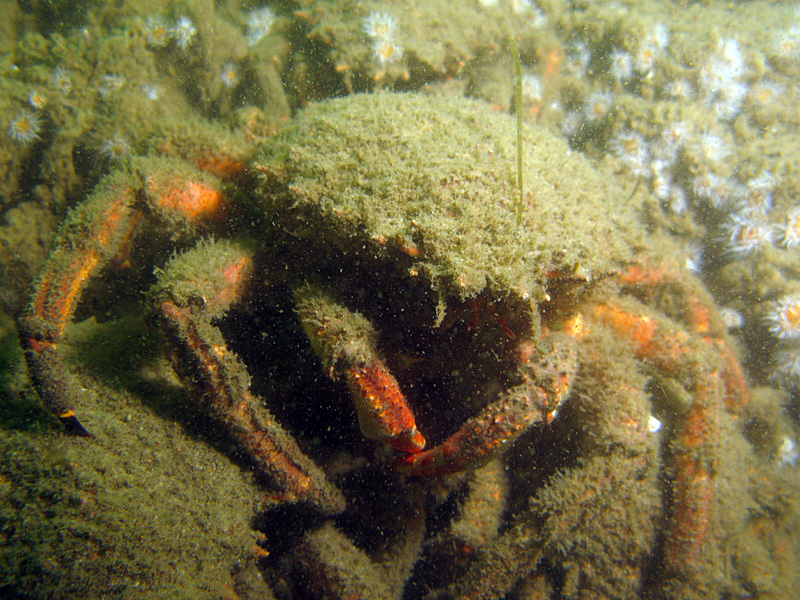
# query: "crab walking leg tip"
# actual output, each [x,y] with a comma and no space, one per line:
[72,424]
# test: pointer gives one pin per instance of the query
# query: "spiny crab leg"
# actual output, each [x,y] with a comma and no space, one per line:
[95,232]
[546,380]
[194,289]
[345,342]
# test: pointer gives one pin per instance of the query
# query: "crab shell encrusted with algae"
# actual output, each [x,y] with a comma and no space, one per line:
[429,184]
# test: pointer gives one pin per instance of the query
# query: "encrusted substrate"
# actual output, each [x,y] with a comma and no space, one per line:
[143,509]
[430,182]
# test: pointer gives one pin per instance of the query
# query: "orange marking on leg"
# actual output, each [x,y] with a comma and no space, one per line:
[221,166]
[667,350]
[235,277]
[62,285]
[71,265]
[699,315]
[193,200]
[737,392]
[691,522]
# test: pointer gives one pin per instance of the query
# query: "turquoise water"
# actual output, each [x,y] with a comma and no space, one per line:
[666,342]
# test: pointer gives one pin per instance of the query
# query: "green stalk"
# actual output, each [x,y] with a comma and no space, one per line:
[518,68]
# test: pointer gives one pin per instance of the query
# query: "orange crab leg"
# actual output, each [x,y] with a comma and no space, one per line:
[546,385]
[699,318]
[696,437]
[345,341]
[219,272]
[93,234]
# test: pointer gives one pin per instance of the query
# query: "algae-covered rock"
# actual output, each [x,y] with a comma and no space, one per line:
[430,184]
[143,509]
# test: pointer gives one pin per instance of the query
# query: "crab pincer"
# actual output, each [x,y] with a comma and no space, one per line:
[546,380]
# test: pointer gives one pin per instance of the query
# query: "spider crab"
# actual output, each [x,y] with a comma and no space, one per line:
[392,219]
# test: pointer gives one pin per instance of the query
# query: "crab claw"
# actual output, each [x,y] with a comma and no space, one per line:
[346,343]
[546,385]
[383,412]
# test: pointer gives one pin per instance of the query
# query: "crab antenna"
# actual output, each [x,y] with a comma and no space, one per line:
[518,110]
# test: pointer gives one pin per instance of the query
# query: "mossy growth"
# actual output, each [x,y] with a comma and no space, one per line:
[143,509]
[429,184]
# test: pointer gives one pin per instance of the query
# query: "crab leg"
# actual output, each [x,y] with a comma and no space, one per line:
[717,380]
[195,288]
[345,342]
[699,318]
[694,445]
[95,232]
[545,385]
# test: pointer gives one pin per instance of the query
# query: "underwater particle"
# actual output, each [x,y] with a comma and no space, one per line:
[259,24]
[386,51]
[489,3]
[784,318]
[229,75]
[184,32]
[732,318]
[621,67]
[787,454]
[790,231]
[115,148]
[25,127]
[598,105]
[37,100]
[653,424]
[632,150]
[156,32]
[379,25]
[747,232]
[151,91]
[62,80]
